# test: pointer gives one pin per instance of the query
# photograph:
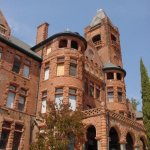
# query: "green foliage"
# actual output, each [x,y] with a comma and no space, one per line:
[145,89]
[134,103]
[60,124]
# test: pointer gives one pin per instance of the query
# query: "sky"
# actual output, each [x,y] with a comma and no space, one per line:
[132,17]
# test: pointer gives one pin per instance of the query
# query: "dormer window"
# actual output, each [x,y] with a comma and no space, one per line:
[74,45]
[2,29]
[96,38]
[63,43]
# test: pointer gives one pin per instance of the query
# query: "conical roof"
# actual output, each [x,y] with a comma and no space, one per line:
[98,18]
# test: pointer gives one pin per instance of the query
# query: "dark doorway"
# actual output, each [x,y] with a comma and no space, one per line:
[91,143]
[143,144]
[129,145]
[113,140]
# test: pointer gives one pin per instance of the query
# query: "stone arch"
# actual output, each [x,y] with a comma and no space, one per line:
[130,141]
[117,128]
[114,138]
[91,142]
[142,143]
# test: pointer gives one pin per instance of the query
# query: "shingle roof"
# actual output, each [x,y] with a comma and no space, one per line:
[21,46]
[109,66]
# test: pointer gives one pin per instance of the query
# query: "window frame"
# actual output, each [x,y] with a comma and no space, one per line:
[16,64]
[47,71]
[73,67]
[72,93]
[44,99]
[27,63]
[59,92]
[60,63]
[110,94]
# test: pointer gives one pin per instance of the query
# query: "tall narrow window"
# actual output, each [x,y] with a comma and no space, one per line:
[73,67]
[44,101]
[119,94]
[118,76]
[113,38]
[11,96]
[26,68]
[72,98]
[22,99]
[60,66]
[46,71]
[2,29]
[91,89]
[6,127]
[58,96]
[86,86]
[16,64]
[63,43]
[74,45]
[1,53]
[110,94]
[17,136]
[97,91]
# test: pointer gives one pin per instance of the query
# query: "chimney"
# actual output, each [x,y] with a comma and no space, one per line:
[42,32]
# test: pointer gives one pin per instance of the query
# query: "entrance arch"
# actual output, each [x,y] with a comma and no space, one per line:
[143,144]
[91,143]
[129,140]
[113,140]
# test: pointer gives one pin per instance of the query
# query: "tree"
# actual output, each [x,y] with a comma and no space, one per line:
[145,89]
[63,129]
[134,103]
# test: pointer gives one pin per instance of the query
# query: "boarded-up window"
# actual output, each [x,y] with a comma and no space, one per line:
[46,71]
[16,64]
[58,96]
[44,102]
[72,98]
[49,50]
[60,66]
[110,94]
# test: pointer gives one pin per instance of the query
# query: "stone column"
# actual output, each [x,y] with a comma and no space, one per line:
[98,145]
[136,148]
[122,146]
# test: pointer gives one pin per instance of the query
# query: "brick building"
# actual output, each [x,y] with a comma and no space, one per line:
[86,72]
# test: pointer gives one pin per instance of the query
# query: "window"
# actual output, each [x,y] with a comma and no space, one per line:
[11,96]
[71,143]
[113,38]
[73,67]
[96,38]
[63,43]
[46,71]
[44,100]
[72,98]
[119,94]
[60,66]
[118,76]
[91,89]
[16,64]
[74,44]
[110,76]
[110,94]
[97,91]
[26,68]
[58,96]
[17,136]
[22,99]
[86,86]
[1,51]
[6,127]
[2,29]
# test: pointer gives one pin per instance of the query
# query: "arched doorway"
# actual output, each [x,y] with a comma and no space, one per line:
[91,143]
[113,140]
[143,144]
[129,140]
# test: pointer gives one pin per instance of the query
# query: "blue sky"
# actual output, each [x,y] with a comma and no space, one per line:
[132,17]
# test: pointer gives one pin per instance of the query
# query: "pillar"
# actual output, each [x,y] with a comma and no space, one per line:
[122,146]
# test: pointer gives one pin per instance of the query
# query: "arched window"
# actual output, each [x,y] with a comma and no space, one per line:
[91,143]
[129,140]
[113,139]
[96,38]
[63,43]
[74,44]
